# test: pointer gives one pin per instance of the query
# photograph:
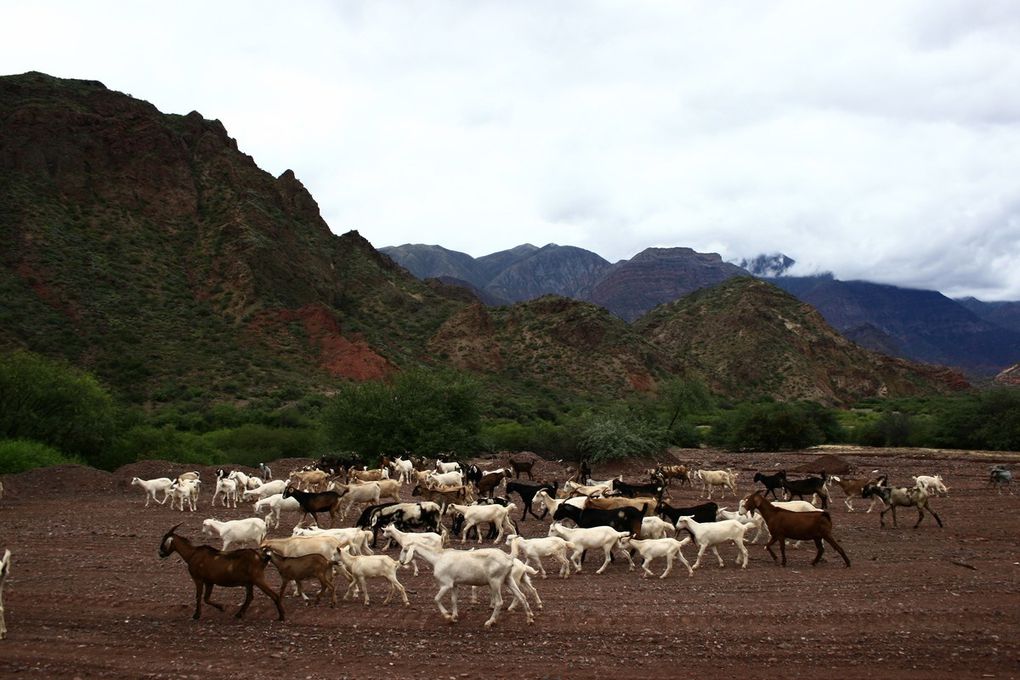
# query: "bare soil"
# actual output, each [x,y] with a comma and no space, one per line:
[89,597]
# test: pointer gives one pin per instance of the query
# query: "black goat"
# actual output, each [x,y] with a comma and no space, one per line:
[808,486]
[370,519]
[653,489]
[706,512]
[771,482]
[314,503]
[527,491]
[621,519]
[473,474]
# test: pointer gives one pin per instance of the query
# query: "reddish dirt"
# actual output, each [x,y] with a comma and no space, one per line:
[89,597]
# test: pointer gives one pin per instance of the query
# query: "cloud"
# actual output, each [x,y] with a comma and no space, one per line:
[876,141]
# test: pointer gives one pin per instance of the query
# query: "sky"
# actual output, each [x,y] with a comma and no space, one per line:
[875,140]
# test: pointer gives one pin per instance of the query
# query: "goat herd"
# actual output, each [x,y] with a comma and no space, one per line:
[587,515]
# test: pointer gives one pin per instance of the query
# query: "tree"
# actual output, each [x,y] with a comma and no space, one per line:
[683,398]
[427,412]
[51,402]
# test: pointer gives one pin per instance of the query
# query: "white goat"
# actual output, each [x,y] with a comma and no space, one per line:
[552,504]
[653,548]
[710,479]
[600,489]
[757,521]
[405,539]
[228,487]
[534,549]
[479,514]
[152,486]
[366,492]
[5,570]
[244,481]
[931,485]
[271,487]
[186,490]
[656,527]
[357,539]
[362,567]
[252,529]
[602,538]
[487,566]
[447,467]
[710,534]
[404,470]
[276,504]
[445,479]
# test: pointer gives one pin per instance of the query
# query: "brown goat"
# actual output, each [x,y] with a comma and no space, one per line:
[211,567]
[854,488]
[297,569]
[488,483]
[519,466]
[651,505]
[784,524]
[444,495]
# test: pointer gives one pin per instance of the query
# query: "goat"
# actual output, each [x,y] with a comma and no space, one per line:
[585,538]
[297,569]
[754,520]
[367,492]
[933,485]
[489,481]
[453,478]
[315,503]
[678,472]
[701,513]
[600,489]
[487,566]
[276,504]
[307,480]
[711,534]
[783,524]
[771,482]
[550,504]
[151,486]
[651,549]
[654,489]
[274,486]
[236,531]
[614,502]
[527,491]
[403,468]
[362,567]
[444,495]
[265,471]
[713,478]
[519,466]
[905,497]
[442,467]
[369,475]
[186,490]
[1001,478]
[210,567]
[406,539]
[477,514]
[5,571]
[809,486]
[357,538]
[537,548]
[621,519]
[853,488]
[656,527]
[229,489]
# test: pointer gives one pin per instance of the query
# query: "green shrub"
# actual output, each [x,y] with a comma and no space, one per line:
[251,444]
[613,436]
[51,402]
[773,427]
[18,455]
[145,442]
[541,437]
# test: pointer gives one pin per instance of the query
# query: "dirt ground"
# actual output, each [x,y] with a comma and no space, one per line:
[89,596]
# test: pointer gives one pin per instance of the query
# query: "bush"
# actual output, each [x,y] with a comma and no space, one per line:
[774,427]
[611,437]
[251,444]
[541,437]
[163,443]
[18,455]
[53,403]
[422,411]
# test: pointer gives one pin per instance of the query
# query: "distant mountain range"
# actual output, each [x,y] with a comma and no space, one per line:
[978,337]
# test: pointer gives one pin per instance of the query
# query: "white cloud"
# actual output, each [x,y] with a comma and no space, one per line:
[875,140]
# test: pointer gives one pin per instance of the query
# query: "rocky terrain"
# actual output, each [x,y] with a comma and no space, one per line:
[89,597]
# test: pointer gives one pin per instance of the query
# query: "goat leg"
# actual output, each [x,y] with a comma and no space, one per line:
[208,593]
[248,595]
[821,549]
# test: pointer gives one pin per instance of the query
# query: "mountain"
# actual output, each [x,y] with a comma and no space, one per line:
[657,275]
[1004,314]
[749,339]
[628,288]
[923,325]
[147,248]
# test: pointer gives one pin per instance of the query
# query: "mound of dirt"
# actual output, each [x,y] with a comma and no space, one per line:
[828,463]
[283,466]
[58,480]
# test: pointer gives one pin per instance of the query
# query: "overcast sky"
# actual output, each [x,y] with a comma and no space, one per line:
[876,140]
